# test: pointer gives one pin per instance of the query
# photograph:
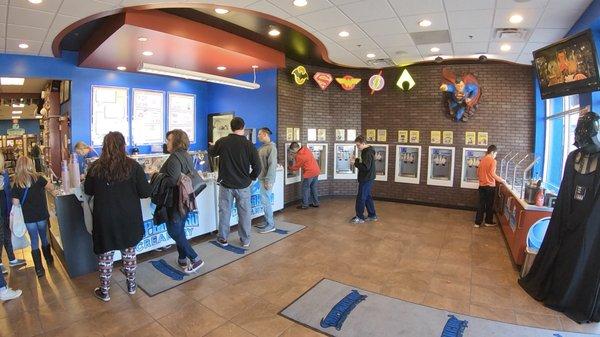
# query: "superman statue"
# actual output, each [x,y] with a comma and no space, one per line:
[461,94]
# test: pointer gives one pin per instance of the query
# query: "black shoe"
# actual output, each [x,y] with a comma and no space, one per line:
[194,267]
[47,250]
[37,262]
[302,207]
[222,242]
[101,295]
[315,206]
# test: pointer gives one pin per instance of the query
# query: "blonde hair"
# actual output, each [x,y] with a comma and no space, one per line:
[81,145]
[2,162]
[25,174]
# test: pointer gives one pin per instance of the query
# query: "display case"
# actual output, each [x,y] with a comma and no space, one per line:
[343,167]
[470,162]
[291,177]
[320,151]
[219,125]
[381,161]
[408,164]
[441,166]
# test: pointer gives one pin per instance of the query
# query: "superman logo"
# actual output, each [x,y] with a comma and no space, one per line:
[348,82]
[323,80]
[300,75]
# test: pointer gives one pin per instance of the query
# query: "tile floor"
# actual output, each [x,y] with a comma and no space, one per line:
[425,255]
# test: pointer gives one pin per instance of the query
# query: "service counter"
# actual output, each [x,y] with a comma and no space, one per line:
[516,216]
[73,243]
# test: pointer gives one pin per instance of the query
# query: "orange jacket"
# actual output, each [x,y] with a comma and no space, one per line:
[306,161]
[486,172]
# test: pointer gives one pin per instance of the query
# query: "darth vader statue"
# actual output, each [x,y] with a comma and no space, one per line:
[565,275]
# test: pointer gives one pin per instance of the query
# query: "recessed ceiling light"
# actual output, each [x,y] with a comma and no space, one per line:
[16,117]
[505,47]
[142,39]
[121,68]
[221,68]
[147,53]
[20,105]
[370,55]
[424,23]
[274,32]
[516,19]
[300,3]
[12,81]
[343,33]
[35,2]
[221,10]
[23,46]
[434,49]
[17,112]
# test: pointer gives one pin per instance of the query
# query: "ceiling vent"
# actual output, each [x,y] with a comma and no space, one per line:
[511,34]
[381,63]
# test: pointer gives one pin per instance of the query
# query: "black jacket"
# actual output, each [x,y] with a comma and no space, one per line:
[118,222]
[162,197]
[239,163]
[172,170]
[366,165]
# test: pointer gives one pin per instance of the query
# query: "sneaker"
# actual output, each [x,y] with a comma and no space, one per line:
[222,242]
[194,266]
[261,226]
[131,288]
[493,224]
[302,207]
[356,220]
[3,269]
[8,294]
[101,295]
[372,219]
[267,230]
[162,249]
[182,263]
[476,225]
[17,263]
[245,245]
[315,206]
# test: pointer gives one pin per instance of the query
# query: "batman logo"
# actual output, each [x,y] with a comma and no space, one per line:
[348,82]
[300,75]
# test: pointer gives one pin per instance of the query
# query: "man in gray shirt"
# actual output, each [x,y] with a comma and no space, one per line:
[268,161]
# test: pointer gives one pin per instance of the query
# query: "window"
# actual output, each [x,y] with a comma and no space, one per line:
[561,121]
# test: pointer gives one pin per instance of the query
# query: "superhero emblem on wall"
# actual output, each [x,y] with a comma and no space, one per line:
[323,79]
[405,82]
[376,82]
[461,94]
[300,75]
[348,82]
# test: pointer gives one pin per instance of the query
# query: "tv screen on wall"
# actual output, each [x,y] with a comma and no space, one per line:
[567,67]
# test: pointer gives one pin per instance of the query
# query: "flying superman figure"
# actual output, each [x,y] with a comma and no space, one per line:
[461,94]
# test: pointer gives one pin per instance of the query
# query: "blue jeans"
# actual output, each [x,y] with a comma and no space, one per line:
[36,229]
[242,199]
[176,230]
[265,199]
[310,191]
[364,198]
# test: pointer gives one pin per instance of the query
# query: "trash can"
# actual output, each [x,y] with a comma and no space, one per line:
[535,237]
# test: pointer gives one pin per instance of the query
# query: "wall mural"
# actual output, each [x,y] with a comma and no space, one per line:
[461,94]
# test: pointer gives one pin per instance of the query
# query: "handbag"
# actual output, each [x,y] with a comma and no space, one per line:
[197,184]
[19,242]
[17,221]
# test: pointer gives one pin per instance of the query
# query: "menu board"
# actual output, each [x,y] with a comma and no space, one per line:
[109,112]
[148,122]
[182,114]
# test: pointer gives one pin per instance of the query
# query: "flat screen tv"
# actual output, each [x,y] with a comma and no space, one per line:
[567,67]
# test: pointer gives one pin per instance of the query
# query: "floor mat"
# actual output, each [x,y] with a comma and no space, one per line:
[329,307]
[156,280]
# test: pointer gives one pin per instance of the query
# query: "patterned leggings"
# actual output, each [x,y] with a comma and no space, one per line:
[105,266]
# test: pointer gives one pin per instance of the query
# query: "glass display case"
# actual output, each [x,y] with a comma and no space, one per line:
[219,125]
[517,170]
[381,161]
[343,167]
[470,162]
[320,151]
[291,177]
[441,166]
[408,164]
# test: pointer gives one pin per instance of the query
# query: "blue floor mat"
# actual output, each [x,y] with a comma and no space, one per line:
[340,311]
[165,268]
[454,327]
[281,231]
[230,248]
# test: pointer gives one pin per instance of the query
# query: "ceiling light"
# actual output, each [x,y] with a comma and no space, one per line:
[17,112]
[274,32]
[343,33]
[221,68]
[16,117]
[516,19]
[21,105]
[194,75]
[505,47]
[23,46]
[142,39]
[38,117]
[147,53]
[424,23]
[300,3]
[35,2]
[370,55]
[11,81]
[221,10]
[434,49]
[121,68]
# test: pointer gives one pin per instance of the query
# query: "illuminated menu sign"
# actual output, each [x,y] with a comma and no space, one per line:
[182,113]
[148,122]
[109,112]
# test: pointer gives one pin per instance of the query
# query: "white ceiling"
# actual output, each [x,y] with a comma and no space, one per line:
[381,27]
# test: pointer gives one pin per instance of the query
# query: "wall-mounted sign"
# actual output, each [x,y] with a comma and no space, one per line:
[482,138]
[322,135]
[351,135]
[297,134]
[300,75]
[382,135]
[405,82]
[371,135]
[470,138]
[436,137]
[340,135]
[414,137]
[348,82]
[289,134]
[323,80]
[376,83]
[148,117]
[312,135]
[109,112]
[403,136]
[448,137]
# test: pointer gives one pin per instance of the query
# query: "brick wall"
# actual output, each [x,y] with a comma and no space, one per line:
[506,112]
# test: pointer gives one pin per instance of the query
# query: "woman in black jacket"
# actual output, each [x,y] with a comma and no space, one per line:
[117,184]
[179,162]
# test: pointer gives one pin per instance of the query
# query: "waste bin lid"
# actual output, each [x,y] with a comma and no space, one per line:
[536,233]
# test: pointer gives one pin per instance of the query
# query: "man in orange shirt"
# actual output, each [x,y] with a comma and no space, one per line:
[486,172]
[305,160]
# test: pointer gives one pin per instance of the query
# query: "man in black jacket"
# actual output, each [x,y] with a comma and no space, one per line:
[366,177]
[239,165]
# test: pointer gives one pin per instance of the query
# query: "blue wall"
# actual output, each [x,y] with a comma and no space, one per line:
[31,126]
[258,107]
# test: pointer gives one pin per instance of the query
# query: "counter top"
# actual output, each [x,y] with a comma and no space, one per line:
[524,204]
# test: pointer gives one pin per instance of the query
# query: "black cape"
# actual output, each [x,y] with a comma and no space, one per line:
[565,275]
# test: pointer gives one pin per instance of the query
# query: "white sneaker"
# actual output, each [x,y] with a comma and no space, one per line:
[9,294]
[476,225]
